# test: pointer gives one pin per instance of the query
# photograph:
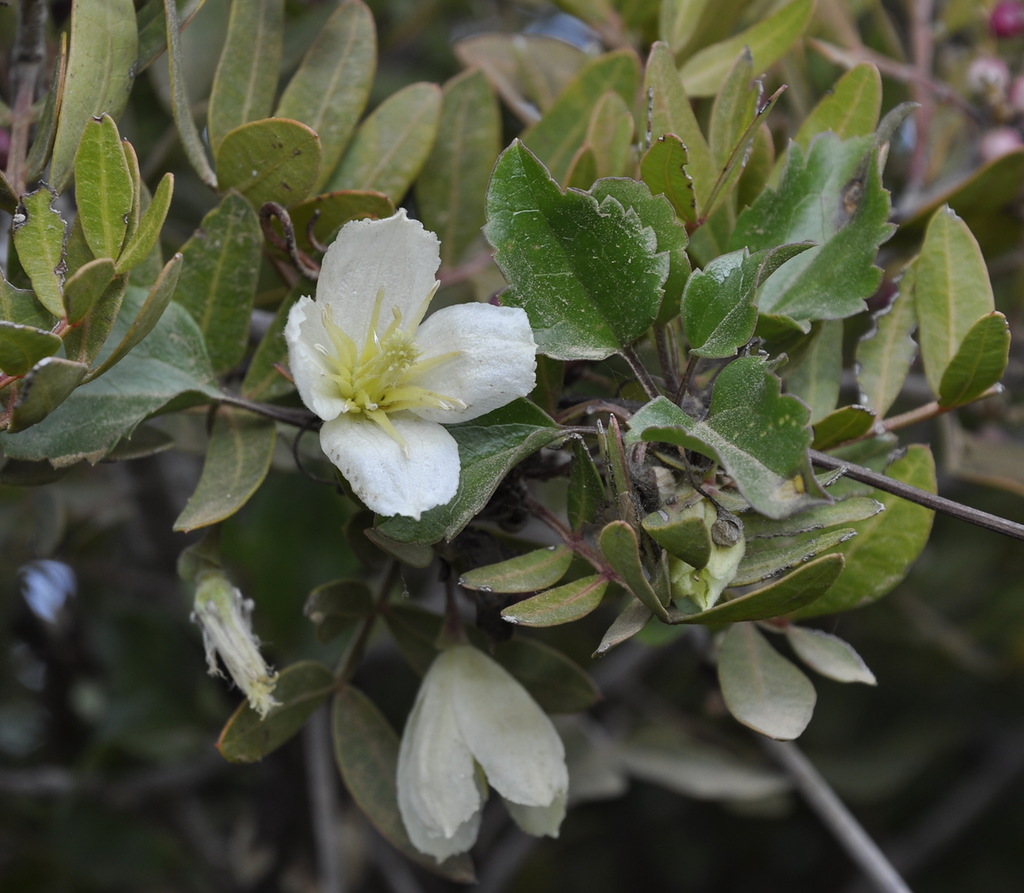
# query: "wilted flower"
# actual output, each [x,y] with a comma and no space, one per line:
[226,620]
[474,724]
[383,379]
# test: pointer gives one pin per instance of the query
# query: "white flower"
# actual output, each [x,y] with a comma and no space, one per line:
[226,620]
[383,379]
[472,719]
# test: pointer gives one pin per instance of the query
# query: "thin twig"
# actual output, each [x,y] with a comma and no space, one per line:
[641,373]
[848,832]
[323,800]
[921,497]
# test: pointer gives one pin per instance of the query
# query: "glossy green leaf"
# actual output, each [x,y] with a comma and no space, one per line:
[180,106]
[335,606]
[979,362]
[271,160]
[815,376]
[570,260]
[633,618]
[555,682]
[84,288]
[85,342]
[673,114]
[718,311]
[330,89]
[237,460]
[772,472]
[555,138]
[21,347]
[450,191]
[829,655]
[100,72]
[148,315]
[50,382]
[586,496]
[951,292]
[621,549]
[218,281]
[323,215]
[766,558]
[845,424]
[833,197]
[366,751]
[850,108]
[884,356]
[663,169]
[563,604]
[246,80]
[301,688]
[887,544]
[529,572]
[489,448]
[529,71]
[170,363]
[391,146]
[39,234]
[802,587]
[762,689]
[767,40]
[147,235]
[103,187]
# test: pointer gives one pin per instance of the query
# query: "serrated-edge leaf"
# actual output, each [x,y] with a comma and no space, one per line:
[563,604]
[663,169]
[529,572]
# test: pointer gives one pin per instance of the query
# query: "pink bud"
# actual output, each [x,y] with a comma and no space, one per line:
[988,75]
[1007,19]
[998,141]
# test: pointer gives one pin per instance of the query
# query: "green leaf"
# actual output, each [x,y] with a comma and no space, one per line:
[19,305]
[978,363]
[682,530]
[621,549]
[845,424]
[529,71]
[802,587]
[679,21]
[366,751]
[834,197]
[333,607]
[330,89]
[147,234]
[152,308]
[762,689]
[718,312]
[451,188]
[237,461]
[39,240]
[104,191]
[766,557]
[170,363]
[563,604]
[489,448]
[557,136]
[571,261]
[767,41]
[325,214]
[634,617]
[100,74]
[663,169]
[951,292]
[218,282]
[610,133]
[842,512]
[21,346]
[829,655]
[586,496]
[85,342]
[246,80]
[772,472]
[271,160]
[885,355]
[887,544]
[152,36]
[850,108]
[555,682]
[85,287]
[51,381]
[300,689]
[263,381]
[815,376]
[735,106]
[392,144]
[529,572]
[673,114]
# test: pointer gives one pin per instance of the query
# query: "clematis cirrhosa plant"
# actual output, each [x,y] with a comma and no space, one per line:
[472,720]
[384,379]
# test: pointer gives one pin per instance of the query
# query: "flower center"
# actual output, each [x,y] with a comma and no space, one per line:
[379,378]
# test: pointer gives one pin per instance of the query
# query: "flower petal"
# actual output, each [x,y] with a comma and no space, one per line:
[388,479]
[540,821]
[508,734]
[396,255]
[495,363]
[305,329]
[439,794]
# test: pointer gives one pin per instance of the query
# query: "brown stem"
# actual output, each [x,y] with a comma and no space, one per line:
[27,60]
